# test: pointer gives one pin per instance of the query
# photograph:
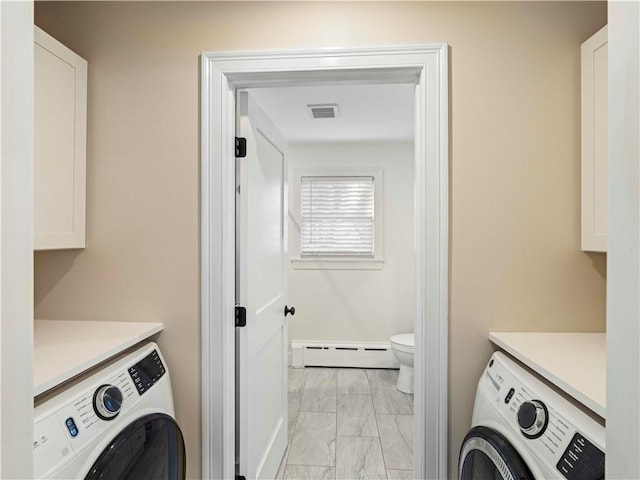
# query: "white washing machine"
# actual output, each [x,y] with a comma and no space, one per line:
[115,423]
[523,429]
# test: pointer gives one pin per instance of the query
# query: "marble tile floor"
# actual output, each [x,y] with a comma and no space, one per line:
[347,423]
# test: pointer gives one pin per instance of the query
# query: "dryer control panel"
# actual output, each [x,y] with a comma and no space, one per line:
[557,432]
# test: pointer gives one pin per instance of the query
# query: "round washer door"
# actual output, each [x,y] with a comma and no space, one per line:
[485,454]
[151,447]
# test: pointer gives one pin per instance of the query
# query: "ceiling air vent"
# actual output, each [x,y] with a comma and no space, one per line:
[323,111]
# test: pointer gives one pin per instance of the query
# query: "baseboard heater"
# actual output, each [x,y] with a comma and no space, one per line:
[313,353]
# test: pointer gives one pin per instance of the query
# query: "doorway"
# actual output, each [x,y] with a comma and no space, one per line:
[223,73]
[349,273]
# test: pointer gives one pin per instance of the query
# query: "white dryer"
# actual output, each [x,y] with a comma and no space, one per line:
[115,423]
[523,429]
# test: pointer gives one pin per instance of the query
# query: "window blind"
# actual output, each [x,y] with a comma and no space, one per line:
[337,216]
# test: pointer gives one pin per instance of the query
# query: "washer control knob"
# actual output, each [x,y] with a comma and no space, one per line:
[107,402]
[532,418]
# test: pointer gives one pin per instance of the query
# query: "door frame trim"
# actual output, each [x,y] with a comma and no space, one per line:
[224,72]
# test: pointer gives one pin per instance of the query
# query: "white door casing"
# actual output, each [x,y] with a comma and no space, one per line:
[16,239]
[261,251]
[426,66]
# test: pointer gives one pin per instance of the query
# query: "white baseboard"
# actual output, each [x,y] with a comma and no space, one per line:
[307,353]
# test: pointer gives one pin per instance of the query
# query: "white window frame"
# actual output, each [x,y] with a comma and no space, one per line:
[338,262]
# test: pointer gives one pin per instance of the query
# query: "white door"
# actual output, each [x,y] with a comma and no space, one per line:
[261,250]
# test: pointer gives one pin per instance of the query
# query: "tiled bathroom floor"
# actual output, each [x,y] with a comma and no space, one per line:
[348,423]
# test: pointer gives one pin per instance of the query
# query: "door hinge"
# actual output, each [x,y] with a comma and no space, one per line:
[241,316]
[241,147]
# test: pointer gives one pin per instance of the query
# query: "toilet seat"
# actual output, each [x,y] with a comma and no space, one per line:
[404,342]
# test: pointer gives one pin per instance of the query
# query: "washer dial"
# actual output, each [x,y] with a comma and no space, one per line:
[533,418]
[107,402]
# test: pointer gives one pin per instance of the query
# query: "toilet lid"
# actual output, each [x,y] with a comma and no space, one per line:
[406,339]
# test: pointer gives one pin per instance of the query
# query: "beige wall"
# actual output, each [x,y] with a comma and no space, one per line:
[515,165]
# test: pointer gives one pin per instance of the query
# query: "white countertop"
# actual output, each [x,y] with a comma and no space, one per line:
[63,349]
[574,362]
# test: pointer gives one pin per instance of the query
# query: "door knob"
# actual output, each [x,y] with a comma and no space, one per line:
[288,310]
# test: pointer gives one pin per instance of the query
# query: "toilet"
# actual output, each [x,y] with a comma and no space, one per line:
[402,347]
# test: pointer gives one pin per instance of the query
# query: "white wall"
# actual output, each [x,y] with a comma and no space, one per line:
[359,305]
[16,239]
[623,262]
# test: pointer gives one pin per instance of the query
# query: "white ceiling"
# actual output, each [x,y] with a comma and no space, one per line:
[366,112]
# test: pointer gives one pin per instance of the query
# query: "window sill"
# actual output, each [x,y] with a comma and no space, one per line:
[337,264]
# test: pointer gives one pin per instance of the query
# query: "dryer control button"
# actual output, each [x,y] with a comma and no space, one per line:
[532,418]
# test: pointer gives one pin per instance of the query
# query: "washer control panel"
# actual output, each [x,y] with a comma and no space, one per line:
[581,459]
[147,372]
[530,409]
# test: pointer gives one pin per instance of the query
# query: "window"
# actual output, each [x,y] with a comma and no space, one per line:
[338,219]
[336,216]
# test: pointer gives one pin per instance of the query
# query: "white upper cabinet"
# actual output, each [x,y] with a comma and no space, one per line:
[60,116]
[595,134]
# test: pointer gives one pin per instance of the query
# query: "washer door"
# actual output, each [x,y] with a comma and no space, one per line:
[487,455]
[151,447]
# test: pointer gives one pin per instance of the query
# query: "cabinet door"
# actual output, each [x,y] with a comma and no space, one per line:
[60,116]
[595,137]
